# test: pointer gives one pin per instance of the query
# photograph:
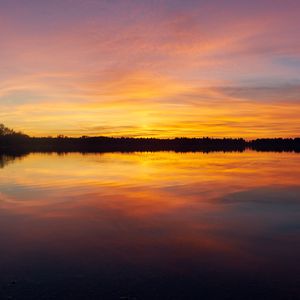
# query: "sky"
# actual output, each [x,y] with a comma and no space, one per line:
[160,68]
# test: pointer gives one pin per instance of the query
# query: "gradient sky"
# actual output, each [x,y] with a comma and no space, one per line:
[159,68]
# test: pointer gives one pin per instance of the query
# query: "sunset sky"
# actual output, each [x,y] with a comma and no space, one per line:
[161,68]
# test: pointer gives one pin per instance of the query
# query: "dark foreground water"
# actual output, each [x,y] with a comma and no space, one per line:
[150,226]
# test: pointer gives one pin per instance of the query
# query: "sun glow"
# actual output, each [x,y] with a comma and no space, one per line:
[151,71]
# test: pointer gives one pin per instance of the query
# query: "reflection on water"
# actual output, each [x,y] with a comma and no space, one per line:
[151,226]
[6,159]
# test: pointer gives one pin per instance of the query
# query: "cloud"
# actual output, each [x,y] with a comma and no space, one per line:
[141,65]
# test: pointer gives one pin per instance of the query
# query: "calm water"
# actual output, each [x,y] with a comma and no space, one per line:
[150,226]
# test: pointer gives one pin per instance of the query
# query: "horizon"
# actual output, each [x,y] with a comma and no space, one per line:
[142,137]
[10,141]
[162,69]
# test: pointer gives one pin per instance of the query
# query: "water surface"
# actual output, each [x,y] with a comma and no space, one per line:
[150,226]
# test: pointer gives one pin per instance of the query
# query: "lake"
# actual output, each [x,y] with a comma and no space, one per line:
[160,225]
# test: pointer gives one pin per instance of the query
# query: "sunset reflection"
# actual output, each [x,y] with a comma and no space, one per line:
[166,213]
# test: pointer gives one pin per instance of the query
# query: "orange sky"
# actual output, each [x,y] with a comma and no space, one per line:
[164,69]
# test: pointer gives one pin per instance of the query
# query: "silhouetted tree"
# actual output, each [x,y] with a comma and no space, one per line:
[5,131]
[19,142]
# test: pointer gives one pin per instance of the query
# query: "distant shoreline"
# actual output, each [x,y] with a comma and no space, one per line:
[20,143]
[17,146]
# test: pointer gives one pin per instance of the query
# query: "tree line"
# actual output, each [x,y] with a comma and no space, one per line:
[12,141]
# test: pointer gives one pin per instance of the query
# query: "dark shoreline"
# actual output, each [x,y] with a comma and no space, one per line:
[19,144]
